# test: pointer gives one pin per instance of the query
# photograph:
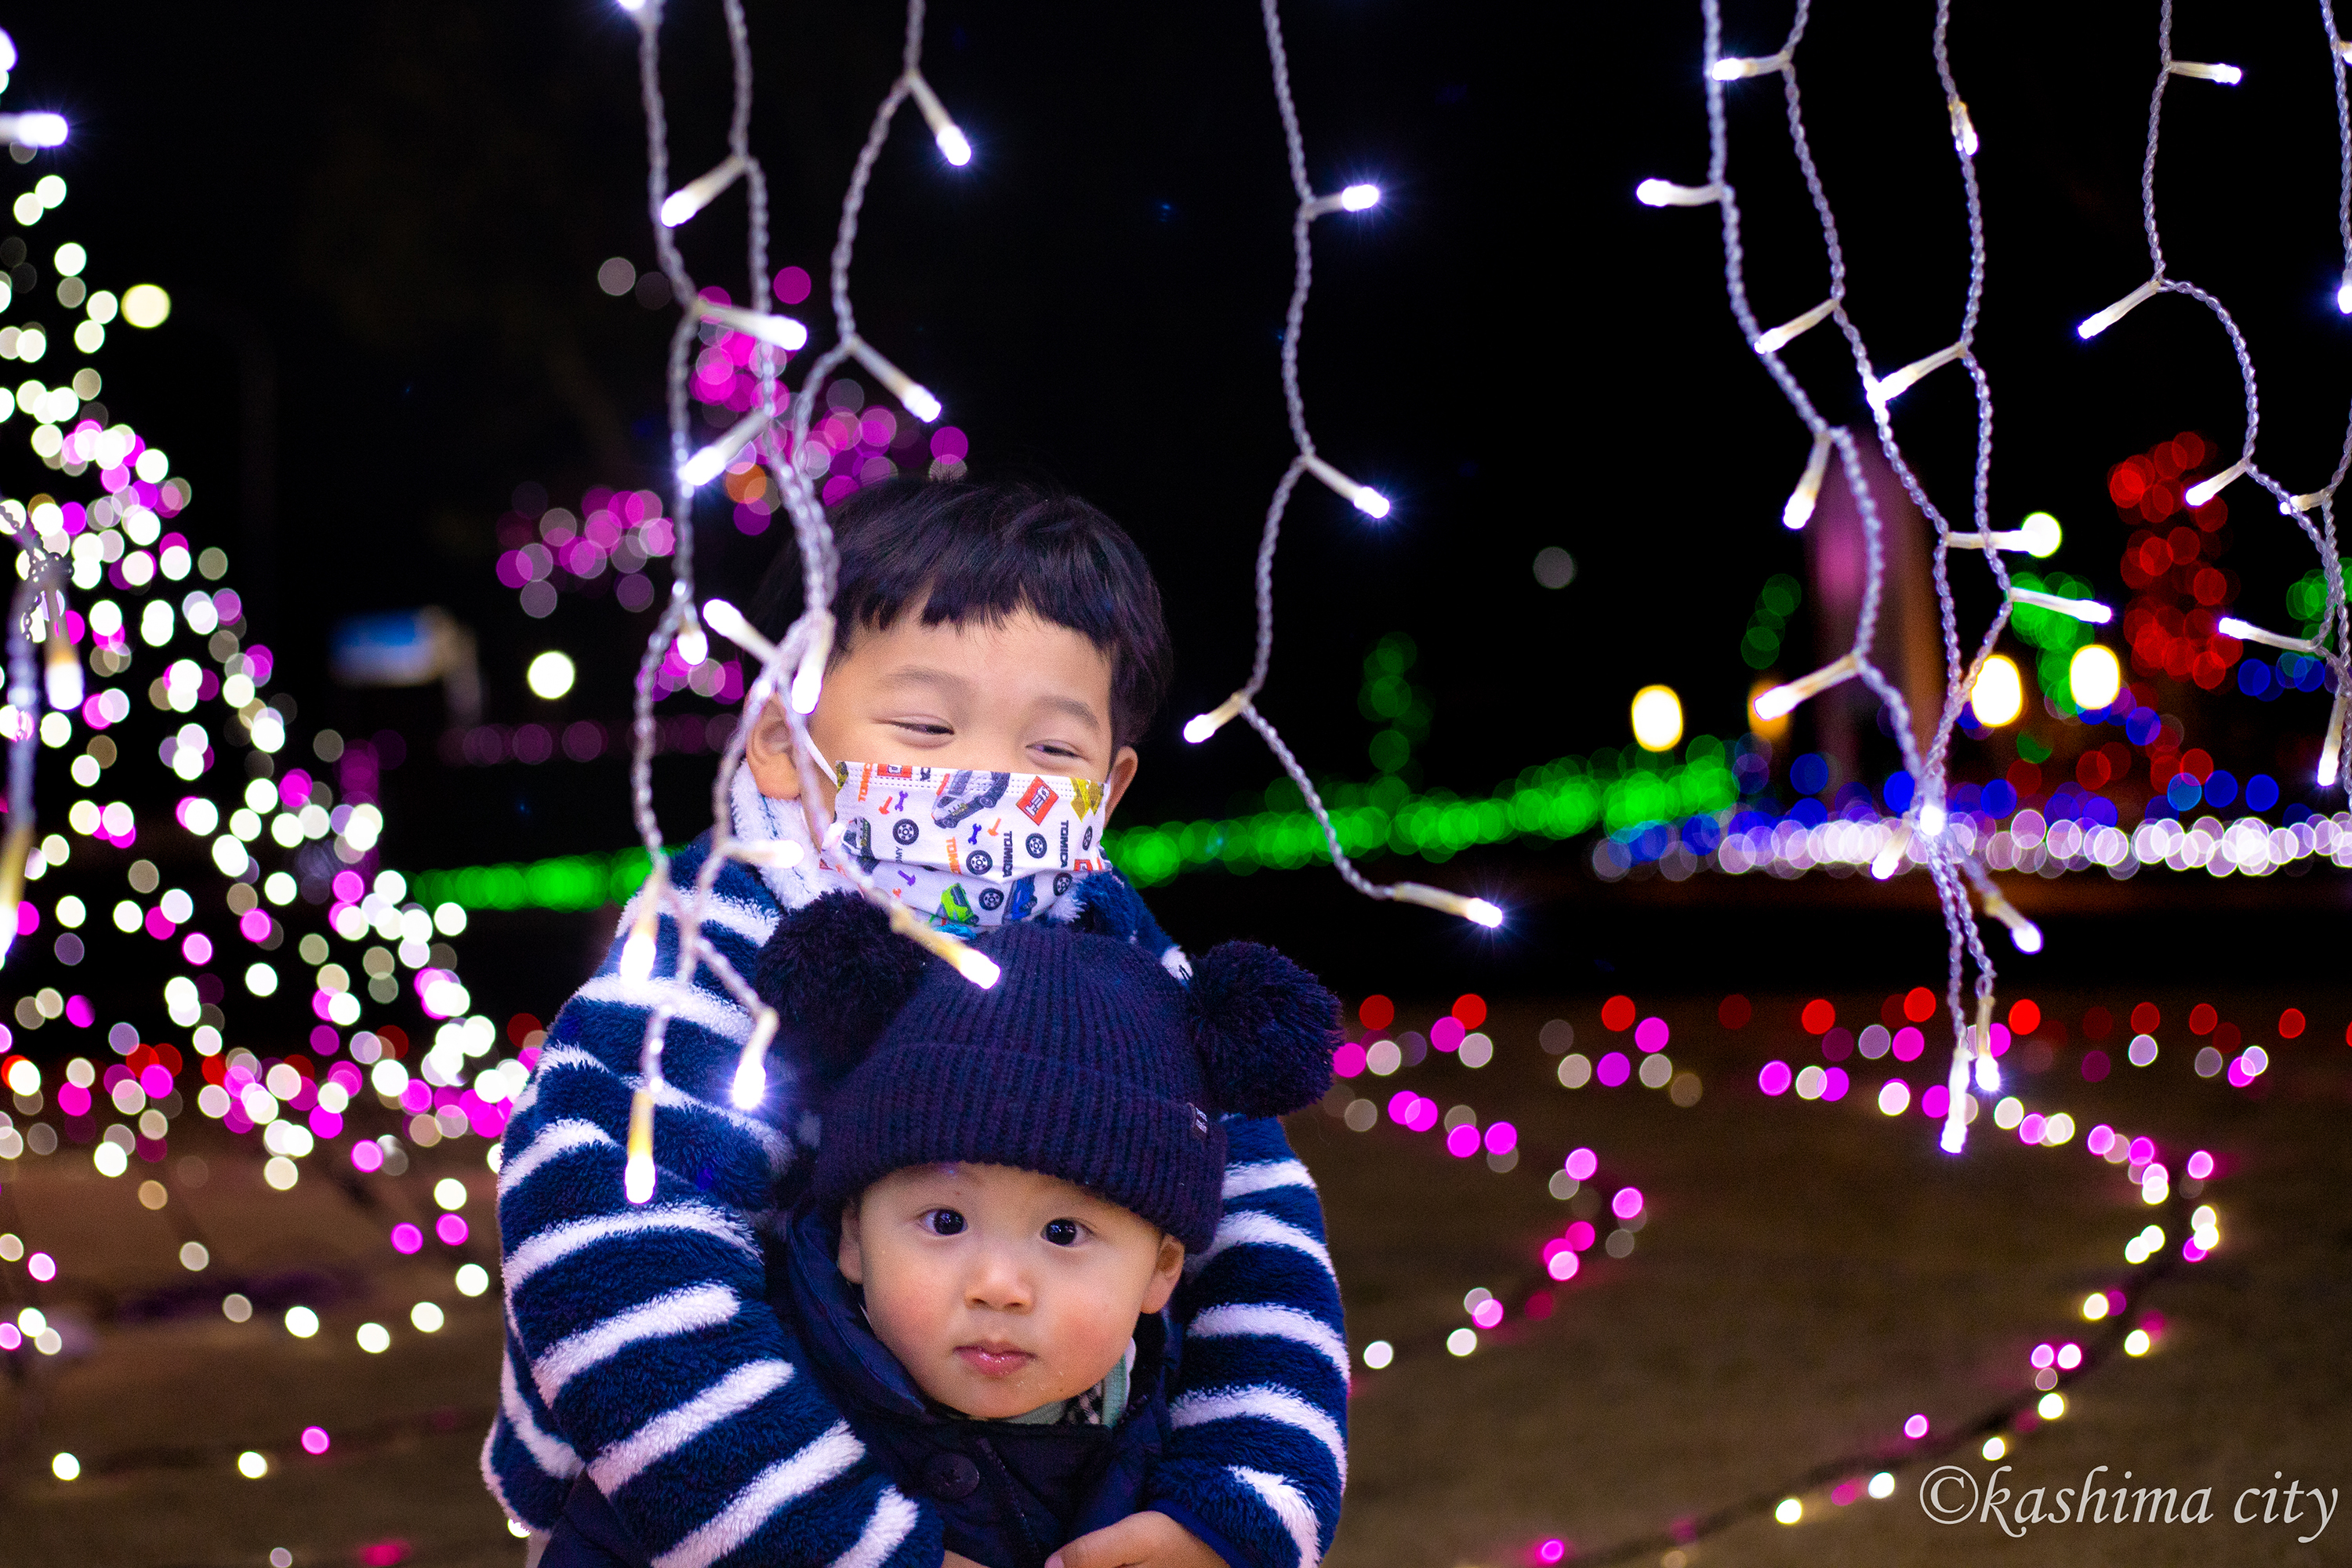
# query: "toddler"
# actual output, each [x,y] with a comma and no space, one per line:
[1008,1187]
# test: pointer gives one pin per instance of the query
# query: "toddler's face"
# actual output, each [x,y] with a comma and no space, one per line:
[1023,697]
[1002,1290]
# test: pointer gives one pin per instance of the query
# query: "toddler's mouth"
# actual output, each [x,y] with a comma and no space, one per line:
[994,1359]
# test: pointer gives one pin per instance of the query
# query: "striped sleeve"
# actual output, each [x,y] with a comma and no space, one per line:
[640,1344]
[1259,1453]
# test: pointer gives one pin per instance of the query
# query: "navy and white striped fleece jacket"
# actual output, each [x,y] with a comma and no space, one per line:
[640,1344]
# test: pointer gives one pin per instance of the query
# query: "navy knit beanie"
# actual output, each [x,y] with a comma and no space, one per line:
[1086,1060]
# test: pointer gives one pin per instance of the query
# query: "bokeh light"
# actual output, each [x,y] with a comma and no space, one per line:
[550,675]
[2094,677]
[1998,695]
[1657,719]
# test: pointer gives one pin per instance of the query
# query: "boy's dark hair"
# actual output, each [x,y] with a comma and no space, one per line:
[968,551]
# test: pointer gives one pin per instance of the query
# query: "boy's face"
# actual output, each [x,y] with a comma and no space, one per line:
[1003,1291]
[1023,697]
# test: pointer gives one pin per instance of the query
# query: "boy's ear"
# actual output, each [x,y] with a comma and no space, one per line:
[1122,773]
[1166,1272]
[851,1257]
[770,755]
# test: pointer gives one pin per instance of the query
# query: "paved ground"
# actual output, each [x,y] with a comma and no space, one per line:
[1808,1276]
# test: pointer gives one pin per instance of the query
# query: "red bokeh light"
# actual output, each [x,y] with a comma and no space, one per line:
[1471,1009]
[2202,1018]
[1818,1017]
[1617,1014]
[2024,1017]
[1377,1012]
[2146,1017]
[1735,1012]
[2291,1023]
[1920,1004]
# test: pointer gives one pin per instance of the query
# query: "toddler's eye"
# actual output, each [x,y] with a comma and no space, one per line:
[944,1222]
[1063,1232]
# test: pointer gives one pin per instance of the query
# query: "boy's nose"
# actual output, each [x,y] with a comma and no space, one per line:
[996,1284]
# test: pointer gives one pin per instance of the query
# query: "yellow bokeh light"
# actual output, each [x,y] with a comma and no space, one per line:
[1657,717]
[1998,695]
[144,305]
[2094,677]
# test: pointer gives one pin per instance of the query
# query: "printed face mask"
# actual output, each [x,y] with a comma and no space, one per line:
[967,849]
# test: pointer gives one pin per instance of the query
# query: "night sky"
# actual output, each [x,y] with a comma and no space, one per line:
[392,218]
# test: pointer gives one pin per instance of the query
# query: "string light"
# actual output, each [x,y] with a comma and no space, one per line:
[62,670]
[690,198]
[1478,911]
[784,332]
[953,144]
[916,399]
[1798,509]
[2089,610]
[1783,700]
[1200,726]
[1667,193]
[1964,129]
[1242,704]
[2099,322]
[40,130]
[2197,494]
[775,430]
[2227,76]
[1939,853]
[711,461]
[636,965]
[1886,389]
[2331,748]
[729,622]
[1363,498]
[2021,931]
[2038,536]
[637,1169]
[2246,631]
[1787,333]
[1733,67]
[750,1085]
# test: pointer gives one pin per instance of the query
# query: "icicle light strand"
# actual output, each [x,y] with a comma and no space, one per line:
[772,434]
[1952,868]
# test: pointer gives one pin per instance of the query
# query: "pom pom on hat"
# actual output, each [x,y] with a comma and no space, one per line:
[835,970]
[1266,1029]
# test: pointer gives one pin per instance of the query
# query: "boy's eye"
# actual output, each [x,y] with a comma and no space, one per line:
[943,1222]
[1063,1232]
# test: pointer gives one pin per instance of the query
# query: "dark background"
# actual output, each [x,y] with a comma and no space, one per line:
[380,227]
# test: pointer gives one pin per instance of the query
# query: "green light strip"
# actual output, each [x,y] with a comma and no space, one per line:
[1559,799]
[1620,792]
[568,882]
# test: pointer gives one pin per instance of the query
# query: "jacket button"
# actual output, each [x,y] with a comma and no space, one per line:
[950,1475]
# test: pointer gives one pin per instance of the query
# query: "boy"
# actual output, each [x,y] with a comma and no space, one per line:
[1010,1185]
[982,628]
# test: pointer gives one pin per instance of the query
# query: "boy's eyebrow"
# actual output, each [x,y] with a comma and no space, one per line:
[926,674]
[1073,707]
[949,683]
